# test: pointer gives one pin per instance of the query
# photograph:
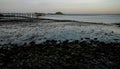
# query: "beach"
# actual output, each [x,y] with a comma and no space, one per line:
[59,34]
[39,30]
[47,43]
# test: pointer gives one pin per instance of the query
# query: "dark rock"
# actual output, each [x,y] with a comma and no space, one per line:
[61,55]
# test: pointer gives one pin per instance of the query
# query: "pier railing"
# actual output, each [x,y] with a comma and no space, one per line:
[23,15]
[18,17]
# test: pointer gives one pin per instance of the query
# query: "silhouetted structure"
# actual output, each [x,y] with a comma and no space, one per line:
[1,15]
[17,17]
[39,14]
[24,15]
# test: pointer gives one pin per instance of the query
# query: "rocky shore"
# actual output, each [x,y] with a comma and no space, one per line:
[53,54]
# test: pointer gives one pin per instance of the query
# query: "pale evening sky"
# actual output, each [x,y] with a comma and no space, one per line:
[66,6]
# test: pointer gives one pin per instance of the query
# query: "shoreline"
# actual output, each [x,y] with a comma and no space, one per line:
[23,30]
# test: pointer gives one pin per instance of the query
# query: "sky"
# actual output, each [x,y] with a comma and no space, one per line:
[65,6]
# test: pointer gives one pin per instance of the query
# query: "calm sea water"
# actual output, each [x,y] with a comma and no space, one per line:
[98,18]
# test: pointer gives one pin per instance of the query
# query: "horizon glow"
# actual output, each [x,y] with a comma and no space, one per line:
[65,6]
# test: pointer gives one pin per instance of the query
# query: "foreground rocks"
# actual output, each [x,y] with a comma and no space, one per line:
[61,55]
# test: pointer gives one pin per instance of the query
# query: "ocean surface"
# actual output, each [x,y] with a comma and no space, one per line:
[97,18]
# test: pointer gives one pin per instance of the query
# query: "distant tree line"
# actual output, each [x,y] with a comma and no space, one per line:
[59,13]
